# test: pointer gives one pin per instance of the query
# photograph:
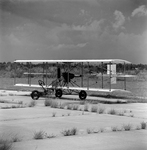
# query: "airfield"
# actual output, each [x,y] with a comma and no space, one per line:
[20,122]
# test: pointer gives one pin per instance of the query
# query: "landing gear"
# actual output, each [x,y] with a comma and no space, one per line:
[58,93]
[35,95]
[82,95]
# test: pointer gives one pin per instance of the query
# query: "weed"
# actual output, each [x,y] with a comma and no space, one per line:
[6,107]
[101,110]
[16,138]
[68,114]
[75,107]
[121,113]
[39,135]
[101,130]
[112,112]
[86,107]
[20,102]
[69,106]
[89,131]
[138,128]
[47,102]
[70,132]
[5,145]
[51,136]
[94,108]
[61,106]
[131,115]
[143,125]
[54,104]
[127,127]
[32,103]
[53,114]
[114,129]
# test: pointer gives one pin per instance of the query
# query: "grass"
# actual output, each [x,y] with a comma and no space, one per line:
[70,106]
[32,103]
[5,144]
[47,102]
[86,107]
[114,129]
[39,135]
[143,125]
[127,127]
[112,112]
[101,110]
[53,114]
[75,107]
[54,104]
[89,131]
[69,132]
[16,138]
[94,108]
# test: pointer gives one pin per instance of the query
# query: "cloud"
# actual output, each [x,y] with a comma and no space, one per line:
[119,20]
[140,11]
[93,26]
[67,46]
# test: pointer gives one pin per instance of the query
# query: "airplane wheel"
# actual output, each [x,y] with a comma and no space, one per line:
[35,95]
[58,93]
[82,95]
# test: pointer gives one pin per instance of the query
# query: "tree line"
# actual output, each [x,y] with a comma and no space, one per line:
[11,69]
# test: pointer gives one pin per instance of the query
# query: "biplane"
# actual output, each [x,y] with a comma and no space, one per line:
[68,82]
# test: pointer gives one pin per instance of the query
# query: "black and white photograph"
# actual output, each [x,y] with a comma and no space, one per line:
[73,74]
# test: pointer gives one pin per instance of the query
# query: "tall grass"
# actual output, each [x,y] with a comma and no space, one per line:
[5,144]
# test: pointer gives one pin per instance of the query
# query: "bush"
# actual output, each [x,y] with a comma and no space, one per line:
[5,145]
[54,104]
[32,103]
[89,131]
[94,108]
[112,112]
[143,125]
[86,107]
[127,127]
[69,132]
[40,135]
[69,106]
[16,139]
[47,102]
[54,114]
[75,107]
[114,129]
[101,110]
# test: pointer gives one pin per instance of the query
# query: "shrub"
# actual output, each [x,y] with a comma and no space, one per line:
[89,131]
[138,128]
[75,107]
[86,107]
[101,110]
[54,104]
[53,114]
[5,144]
[127,127]
[51,136]
[101,130]
[32,103]
[69,106]
[61,106]
[69,132]
[39,135]
[16,139]
[94,108]
[47,102]
[112,112]
[143,125]
[121,113]
[114,129]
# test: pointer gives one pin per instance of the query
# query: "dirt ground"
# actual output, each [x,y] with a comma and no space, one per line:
[94,130]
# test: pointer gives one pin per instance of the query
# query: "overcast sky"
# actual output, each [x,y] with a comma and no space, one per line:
[73,29]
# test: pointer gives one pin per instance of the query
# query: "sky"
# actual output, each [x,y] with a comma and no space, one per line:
[73,29]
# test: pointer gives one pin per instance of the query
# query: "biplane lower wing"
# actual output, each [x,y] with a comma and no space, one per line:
[73,88]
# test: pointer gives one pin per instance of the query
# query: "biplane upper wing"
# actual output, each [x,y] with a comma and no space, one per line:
[78,60]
